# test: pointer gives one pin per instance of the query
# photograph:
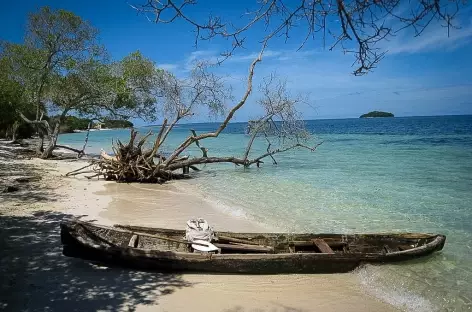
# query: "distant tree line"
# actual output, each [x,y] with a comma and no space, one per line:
[72,123]
[109,123]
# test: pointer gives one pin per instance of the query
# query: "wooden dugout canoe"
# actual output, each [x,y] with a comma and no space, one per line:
[252,253]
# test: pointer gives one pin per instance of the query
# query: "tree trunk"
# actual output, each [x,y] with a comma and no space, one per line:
[40,147]
[14,131]
[47,153]
[8,131]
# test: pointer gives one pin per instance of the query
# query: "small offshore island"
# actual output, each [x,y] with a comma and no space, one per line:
[375,114]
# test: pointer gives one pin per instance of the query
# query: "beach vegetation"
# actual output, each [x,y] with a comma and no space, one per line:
[64,71]
[116,123]
[11,98]
[72,123]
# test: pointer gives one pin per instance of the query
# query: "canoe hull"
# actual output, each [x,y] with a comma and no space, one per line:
[74,245]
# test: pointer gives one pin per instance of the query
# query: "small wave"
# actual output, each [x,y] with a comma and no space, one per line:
[342,140]
[430,141]
[371,276]
[214,202]
[224,205]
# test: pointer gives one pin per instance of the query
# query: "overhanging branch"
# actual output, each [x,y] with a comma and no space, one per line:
[43,122]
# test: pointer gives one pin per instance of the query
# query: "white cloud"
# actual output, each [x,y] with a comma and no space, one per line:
[186,65]
[277,55]
[253,55]
[209,56]
[169,67]
[213,57]
[435,37]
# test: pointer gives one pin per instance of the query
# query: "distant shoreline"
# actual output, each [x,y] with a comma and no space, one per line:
[93,130]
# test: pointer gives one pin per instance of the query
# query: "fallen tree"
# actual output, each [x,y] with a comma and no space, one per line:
[132,163]
[280,127]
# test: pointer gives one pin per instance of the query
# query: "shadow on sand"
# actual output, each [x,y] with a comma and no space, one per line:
[29,192]
[35,276]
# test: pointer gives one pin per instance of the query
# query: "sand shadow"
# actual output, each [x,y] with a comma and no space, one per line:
[27,179]
[37,277]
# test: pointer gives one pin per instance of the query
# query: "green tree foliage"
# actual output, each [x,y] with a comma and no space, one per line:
[55,41]
[72,123]
[64,71]
[117,124]
[11,99]
[96,89]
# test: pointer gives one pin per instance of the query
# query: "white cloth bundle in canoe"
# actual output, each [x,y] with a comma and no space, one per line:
[200,233]
[198,229]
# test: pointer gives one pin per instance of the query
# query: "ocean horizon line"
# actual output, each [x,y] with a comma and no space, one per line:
[345,118]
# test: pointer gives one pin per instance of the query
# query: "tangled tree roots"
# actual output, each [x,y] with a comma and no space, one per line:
[132,163]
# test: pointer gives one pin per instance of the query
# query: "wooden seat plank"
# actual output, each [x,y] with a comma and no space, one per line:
[133,242]
[322,246]
[335,244]
[388,249]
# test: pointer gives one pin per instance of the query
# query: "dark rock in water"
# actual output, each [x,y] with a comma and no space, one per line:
[10,189]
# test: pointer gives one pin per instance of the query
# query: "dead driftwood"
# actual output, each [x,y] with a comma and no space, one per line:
[132,162]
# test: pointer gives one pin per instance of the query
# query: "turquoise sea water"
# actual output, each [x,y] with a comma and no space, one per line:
[369,175]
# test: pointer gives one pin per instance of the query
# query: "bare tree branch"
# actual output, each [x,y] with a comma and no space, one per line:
[277,151]
[44,123]
[158,141]
[365,21]
[230,115]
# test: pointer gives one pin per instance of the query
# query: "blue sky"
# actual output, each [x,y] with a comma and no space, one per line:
[428,75]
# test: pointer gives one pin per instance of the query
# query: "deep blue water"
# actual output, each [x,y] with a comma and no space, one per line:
[424,126]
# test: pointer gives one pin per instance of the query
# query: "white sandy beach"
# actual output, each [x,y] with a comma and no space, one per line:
[36,277]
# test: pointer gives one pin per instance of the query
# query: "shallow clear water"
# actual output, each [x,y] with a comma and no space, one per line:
[388,175]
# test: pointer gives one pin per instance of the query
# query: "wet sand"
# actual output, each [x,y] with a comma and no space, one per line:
[169,206]
[36,277]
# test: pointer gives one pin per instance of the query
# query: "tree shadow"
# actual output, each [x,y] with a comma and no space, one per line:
[29,191]
[37,277]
